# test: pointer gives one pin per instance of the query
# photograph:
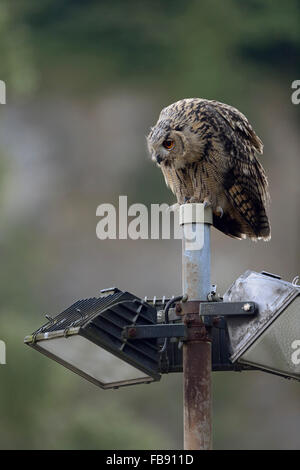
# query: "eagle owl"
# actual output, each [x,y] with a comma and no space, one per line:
[206,151]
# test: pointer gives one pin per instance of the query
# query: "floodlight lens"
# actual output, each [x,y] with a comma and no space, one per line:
[268,341]
[95,362]
[273,350]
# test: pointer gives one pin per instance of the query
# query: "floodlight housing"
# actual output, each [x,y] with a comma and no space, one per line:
[268,340]
[88,338]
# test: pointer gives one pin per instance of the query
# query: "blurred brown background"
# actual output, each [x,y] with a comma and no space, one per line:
[85,81]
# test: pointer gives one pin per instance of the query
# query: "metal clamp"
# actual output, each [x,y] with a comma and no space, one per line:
[217,309]
[195,213]
[191,310]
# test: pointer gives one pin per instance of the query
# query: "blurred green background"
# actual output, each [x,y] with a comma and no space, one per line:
[85,81]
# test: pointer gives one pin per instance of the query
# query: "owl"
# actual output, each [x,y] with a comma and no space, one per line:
[207,153]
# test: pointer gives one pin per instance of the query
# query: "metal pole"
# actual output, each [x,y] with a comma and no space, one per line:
[196,221]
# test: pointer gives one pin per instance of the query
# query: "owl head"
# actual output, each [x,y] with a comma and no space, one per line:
[173,140]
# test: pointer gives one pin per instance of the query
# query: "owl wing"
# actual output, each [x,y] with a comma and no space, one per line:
[244,192]
[239,125]
[240,173]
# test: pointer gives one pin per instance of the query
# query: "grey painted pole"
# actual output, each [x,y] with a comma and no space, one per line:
[196,220]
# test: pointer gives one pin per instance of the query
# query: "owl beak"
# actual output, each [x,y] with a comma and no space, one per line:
[158,159]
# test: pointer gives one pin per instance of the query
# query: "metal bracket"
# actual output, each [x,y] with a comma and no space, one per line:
[225,309]
[179,330]
[218,309]
[162,330]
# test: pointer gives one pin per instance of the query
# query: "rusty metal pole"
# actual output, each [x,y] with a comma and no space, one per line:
[196,220]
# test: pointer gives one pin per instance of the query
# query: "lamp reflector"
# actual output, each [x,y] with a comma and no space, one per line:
[268,341]
[85,356]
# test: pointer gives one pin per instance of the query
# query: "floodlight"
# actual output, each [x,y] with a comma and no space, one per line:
[270,340]
[88,339]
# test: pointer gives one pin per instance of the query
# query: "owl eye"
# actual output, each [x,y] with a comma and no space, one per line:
[168,144]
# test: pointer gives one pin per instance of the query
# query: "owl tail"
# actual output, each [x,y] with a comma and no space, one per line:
[235,227]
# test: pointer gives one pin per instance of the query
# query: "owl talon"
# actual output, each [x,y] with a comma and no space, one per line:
[206,203]
[192,200]
[219,212]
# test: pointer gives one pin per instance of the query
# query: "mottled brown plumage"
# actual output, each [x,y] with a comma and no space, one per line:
[206,151]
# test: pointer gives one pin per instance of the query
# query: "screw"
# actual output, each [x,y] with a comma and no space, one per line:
[159,314]
[131,332]
[246,307]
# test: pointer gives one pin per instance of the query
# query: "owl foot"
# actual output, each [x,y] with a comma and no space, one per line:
[191,200]
[206,202]
[219,212]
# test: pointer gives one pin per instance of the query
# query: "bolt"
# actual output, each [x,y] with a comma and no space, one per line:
[131,332]
[246,307]
[203,330]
